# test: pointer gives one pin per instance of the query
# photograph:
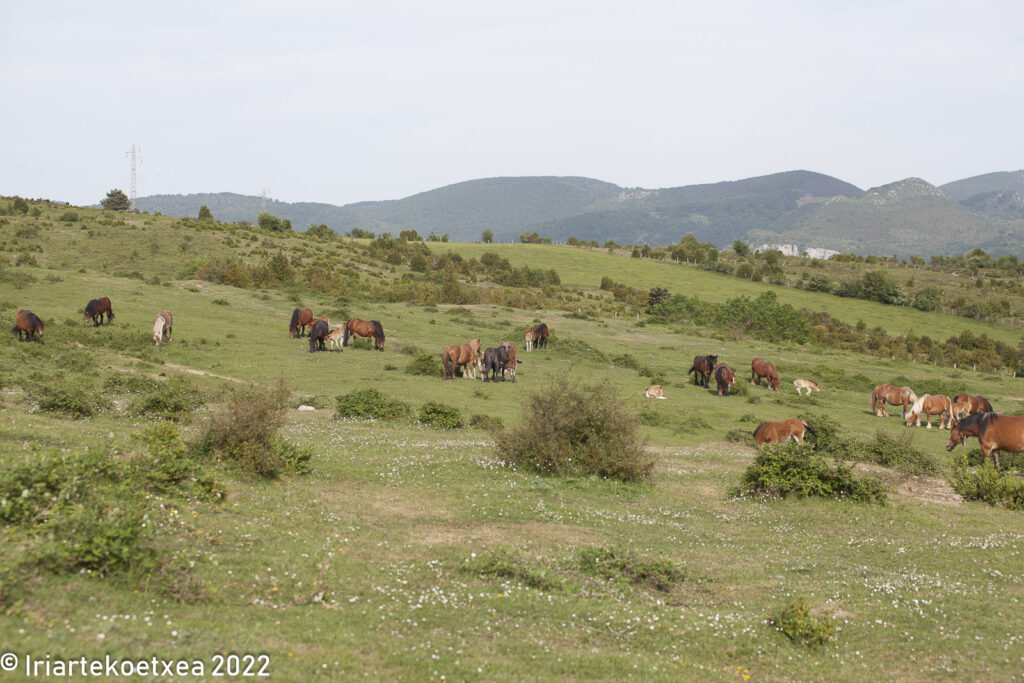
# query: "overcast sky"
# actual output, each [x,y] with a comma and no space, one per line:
[341,101]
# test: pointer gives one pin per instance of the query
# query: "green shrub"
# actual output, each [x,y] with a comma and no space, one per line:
[986,483]
[898,452]
[424,364]
[577,431]
[569,346]
[440,416]
[616,564]
[504,563]
[75,400]
[789,469]
[831,439]
[69,217]
[169,467]
[487,423]
[740,436]
[174,400]
[795,621]
[370,404]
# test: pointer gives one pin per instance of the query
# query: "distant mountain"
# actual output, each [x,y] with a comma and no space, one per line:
[961,190]
[808,209]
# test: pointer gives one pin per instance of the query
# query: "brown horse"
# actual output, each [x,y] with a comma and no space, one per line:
[783,430]
[894,396]
[301,318]
[759,368]
[162,327]
[540,336]
[702,369]
[28,322]
[512,362]
[724,378]
[995,433]
[455,357]
[807,384]
[968,405]
[95,310]
[931,404]
[365,328]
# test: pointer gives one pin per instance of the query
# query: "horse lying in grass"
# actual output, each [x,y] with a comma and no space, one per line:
[655,391]
[894,396]
[932,404]
[807,384]
[760,368]
[995,432]
[468,355]
[781,431]
[702,369]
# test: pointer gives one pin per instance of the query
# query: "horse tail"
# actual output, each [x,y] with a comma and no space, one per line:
[874,401]
[693,369]
[809,428]
[378,331]
[344,340]
[446,364]
[294,324]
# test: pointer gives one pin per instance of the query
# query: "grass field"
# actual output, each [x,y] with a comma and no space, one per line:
[410,553]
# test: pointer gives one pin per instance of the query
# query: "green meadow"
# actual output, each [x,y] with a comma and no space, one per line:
[410,553]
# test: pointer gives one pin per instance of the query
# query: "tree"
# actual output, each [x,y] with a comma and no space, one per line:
[270,222]
[487,236]
[116,200]
[321,231]
[740,247]
[204,213]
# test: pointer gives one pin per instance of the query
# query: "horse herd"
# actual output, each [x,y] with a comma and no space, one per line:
[963,415]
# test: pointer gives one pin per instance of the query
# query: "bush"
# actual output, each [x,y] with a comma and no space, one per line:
[503,563]
[796,622]
[577,431]
[613,564]
[424,364]
[897,452]
[986,483]
[75,400]
[440,416]
[789,469]
[487,423]
[370,404]
[170,468]
[831,439]
[174,400]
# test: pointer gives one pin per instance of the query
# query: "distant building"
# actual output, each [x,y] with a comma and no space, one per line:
[794,250]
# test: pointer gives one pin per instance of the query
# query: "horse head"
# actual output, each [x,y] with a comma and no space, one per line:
[955,438]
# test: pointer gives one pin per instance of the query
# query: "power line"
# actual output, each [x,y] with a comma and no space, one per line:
[132,152]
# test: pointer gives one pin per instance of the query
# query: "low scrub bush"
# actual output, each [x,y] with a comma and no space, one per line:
[170,467]
[986,483]
[370,404]
[173,400]
[831,439]
[570,346]
[898,452]
[577,431]
[488,423]
[789,469]
[740,436]
[77,399]
[440,416]
[795,621]
[424,364]
[503,563]
[627,566]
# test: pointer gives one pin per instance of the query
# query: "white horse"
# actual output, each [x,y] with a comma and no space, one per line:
[654,391]
[162,327]
[529,340]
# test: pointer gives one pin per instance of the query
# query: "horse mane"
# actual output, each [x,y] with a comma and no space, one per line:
[918,403]
[90,308]
[378,331]
[344,339]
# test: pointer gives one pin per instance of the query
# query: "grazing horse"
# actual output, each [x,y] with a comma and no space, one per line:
[317,333]
[162,327]
[969,405]
[894,396]
[28,322]
[932,404]
[654,391]
[529,340]
[336,338]
[540,336]
[301,318]
[455,357]
[365,328]
[702,368]
[494,360]
[995,433]
[759,368]
[783,430]
[805,384]
[512,362]
[95,310]
[724,378]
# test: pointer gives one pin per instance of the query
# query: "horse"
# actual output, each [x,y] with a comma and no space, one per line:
[317,333]
[162,327]
[932,404]
[654,391]
[512,362]
[540,336]
[995,432]
[805,384]
[95,310]
[529,340]
[759,368]
[28,322]
[494,360]
[301,318]
[724,378]
[455,357]
[974,404]
[336,338]
[365,328]
[702,369]
[783,430]
[894,396]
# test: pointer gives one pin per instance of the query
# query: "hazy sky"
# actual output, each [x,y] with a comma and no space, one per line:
[340,101]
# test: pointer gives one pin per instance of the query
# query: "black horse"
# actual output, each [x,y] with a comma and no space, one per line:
[495,360]
[540,336]
[702,368]
[317,335]
[95,310]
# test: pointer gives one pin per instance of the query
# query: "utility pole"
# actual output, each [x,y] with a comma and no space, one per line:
[263,204]
[131,153]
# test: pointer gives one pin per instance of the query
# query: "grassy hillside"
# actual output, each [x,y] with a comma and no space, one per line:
[411,553]
[964,189]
